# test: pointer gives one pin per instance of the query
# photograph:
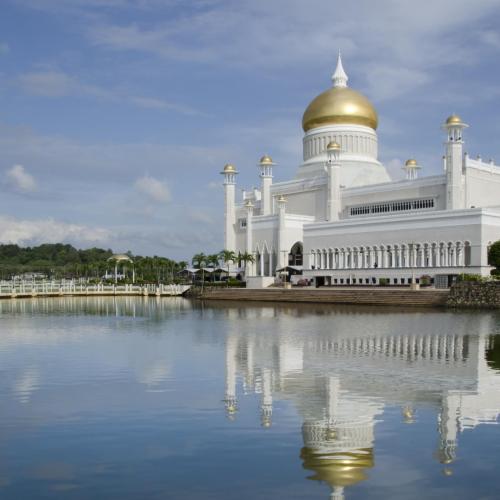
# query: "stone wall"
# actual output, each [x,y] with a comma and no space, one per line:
[472,294]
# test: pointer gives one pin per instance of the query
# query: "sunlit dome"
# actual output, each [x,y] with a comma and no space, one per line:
[340,105]
[120,257]
[453,120]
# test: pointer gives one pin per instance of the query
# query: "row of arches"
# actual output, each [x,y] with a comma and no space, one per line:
[405,255]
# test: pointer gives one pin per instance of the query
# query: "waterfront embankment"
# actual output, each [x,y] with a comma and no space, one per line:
[348,295]
[475,295]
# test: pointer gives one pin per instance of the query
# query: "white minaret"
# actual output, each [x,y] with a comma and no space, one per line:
[266,174]
[282,248]
[454,162]
[333,173]
[229,174]
[249,239]
[411,169]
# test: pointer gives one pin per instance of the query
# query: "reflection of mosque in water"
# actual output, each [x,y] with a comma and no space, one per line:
[341,381]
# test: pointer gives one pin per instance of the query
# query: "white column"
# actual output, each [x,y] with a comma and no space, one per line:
[454,128]
[333,188]
[249,236]
[282,249]
[229,173]
[266,174]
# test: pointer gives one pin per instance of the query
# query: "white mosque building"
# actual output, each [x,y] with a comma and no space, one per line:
[344,221]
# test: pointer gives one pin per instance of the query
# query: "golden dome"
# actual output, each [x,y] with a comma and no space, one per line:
[411,163]
[340,105]
[266,160]
[338,469]
[228,169]
[333,146]
[120,257]
[454,120]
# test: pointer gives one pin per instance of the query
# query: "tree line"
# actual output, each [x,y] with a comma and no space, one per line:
[58,260]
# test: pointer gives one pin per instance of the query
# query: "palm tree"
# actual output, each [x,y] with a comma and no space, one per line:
[199,260]
[227,256]
[213,260]
[246,257]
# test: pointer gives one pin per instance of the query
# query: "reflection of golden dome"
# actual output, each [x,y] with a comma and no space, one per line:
[333,146]
[340,105]
[338,469]
[266,160]
[453,120]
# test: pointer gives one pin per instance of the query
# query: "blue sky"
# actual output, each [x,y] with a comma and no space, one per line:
[116,116]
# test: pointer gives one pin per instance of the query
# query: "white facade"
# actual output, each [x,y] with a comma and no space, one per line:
[345,221]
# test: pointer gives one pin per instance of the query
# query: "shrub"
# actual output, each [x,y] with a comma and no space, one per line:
[383,281]
[470,277]
[494,255]
[425,280]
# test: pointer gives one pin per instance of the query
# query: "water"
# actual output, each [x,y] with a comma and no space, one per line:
[143,398]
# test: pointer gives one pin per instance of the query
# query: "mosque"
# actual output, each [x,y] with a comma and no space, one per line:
[342,220]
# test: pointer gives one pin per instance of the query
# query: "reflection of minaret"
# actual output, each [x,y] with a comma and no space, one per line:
[448,428]
[230,396]
[266,408]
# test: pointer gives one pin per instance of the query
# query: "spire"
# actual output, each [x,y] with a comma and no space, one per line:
[339,77]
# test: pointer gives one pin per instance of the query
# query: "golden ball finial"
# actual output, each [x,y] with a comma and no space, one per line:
[229,169]
[333,146]
[266,160]
[411,163]
[454,119]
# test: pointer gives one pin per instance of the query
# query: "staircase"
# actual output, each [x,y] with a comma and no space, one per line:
[361,296]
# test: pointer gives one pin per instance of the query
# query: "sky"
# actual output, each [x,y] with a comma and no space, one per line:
[117,116]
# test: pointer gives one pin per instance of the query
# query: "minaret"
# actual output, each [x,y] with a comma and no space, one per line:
[333,173]
[448,428]
[339,77]
[266,174]
[282,248]
[229,174]
[454,162]
[266,408]
[230,396]
[411,169]
[249,240]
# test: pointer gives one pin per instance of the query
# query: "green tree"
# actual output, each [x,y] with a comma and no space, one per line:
[227,256]
[246,258]
[494,257]
[199,260]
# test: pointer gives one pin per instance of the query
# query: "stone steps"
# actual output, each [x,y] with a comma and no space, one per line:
[387,297]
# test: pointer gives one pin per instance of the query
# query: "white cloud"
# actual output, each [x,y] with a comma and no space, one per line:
[56,83]
[35,232]
[153,188]
[20,180]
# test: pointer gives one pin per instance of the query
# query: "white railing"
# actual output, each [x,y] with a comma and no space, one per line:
[33,288]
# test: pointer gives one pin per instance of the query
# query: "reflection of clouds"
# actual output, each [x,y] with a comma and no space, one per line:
[153,373]
[26,384]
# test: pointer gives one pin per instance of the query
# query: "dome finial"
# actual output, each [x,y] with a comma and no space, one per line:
[339,77]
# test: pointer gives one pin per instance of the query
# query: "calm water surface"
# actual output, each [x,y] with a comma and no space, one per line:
[136,398]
